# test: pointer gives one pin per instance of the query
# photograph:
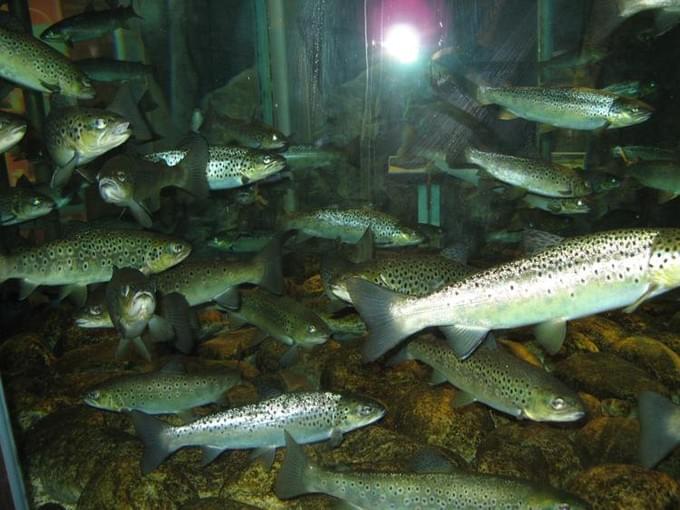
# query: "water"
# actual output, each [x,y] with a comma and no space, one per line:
[378,184]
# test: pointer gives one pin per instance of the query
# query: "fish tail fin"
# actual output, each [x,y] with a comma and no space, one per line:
[194,166]
[656,434]
[269,263]
[291,480]
[377,307]
[153,433]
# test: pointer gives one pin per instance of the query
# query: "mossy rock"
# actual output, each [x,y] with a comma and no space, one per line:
[653,356]
[618,486]
[610,440]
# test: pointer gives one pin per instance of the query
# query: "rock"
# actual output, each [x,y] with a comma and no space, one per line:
[618,486]
[653,356]
[610,440]
[604,375]
[531,451]
[597,332]
[66,448]
[216,504]
[26,354]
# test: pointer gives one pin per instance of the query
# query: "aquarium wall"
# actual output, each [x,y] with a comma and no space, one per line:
[299,254]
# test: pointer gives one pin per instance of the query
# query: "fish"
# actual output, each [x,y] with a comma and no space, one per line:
[31,63]
[19,204]
[536,176]
[387,490]
[636,89]
[349,225]
[281,318]
[577,108]
[660,175]
[74,136]
[498,379]
[87,255]
[601,182]
[413,274]
[89,25]
[310,156]
[345,326]
[170,390]
[131,302]
[578,277]
[12,130]
[136,184]
[250,133]
[111,70]
[93,316]
[202,280]
[310,416]
[556,205]
[233,241]
[659,427]
[632,153]
[229,166]
[607,15]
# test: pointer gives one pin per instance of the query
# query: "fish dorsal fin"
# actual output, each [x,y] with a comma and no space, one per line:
[364,249]
[174,366]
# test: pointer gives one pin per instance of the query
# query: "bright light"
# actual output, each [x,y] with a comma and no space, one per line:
[403,43]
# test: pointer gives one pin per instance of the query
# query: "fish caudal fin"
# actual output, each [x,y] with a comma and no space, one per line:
[269,263]
[290,482]
[377,307]
[153,433]
[657,438]
[194,165]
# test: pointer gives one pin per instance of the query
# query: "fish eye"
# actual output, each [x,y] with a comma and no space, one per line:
[311,328]
[275,138]
[365,410]
[564,506]
[267,159]
[36,201]
[558,403]
[176,248]
[124,291]
[121,176]
[100,123]
[95,310]
[580,203]
[94,395]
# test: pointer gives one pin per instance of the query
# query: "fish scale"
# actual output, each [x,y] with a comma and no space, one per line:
[229,166]
[576,278]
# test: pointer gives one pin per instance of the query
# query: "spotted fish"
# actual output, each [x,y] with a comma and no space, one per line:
[89,25]
[31,63]
[309,416]
[567,107]
[88,255]
[423,490]
[578,277]
[498,379]
[21,204]
[556,205]
[349,225]
[536,176]
[74,136]
[12,130]
[170,390]
[229,166]
[413,274]
[250,133]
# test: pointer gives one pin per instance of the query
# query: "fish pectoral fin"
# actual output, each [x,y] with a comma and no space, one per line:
[52,87]
[437,377]
[229,298]
[363,250]
[210,453]
[140,214]
[160,329]
[336,438]
[186,415]
[665,196]
[506,115]
[122,347]
[463,399]
[647,294]
[290,357]
[463,340]
[78,293]
[551,334]
[177,312]
[401,357]
[142,350]
[62,174]
[490,342]
[264,455]
[26,288]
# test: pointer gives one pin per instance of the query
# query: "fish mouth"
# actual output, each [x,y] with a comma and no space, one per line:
[122,129]
[143,304]
[19,130]
[110,191]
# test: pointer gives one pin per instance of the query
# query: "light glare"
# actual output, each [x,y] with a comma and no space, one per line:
[403,43]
